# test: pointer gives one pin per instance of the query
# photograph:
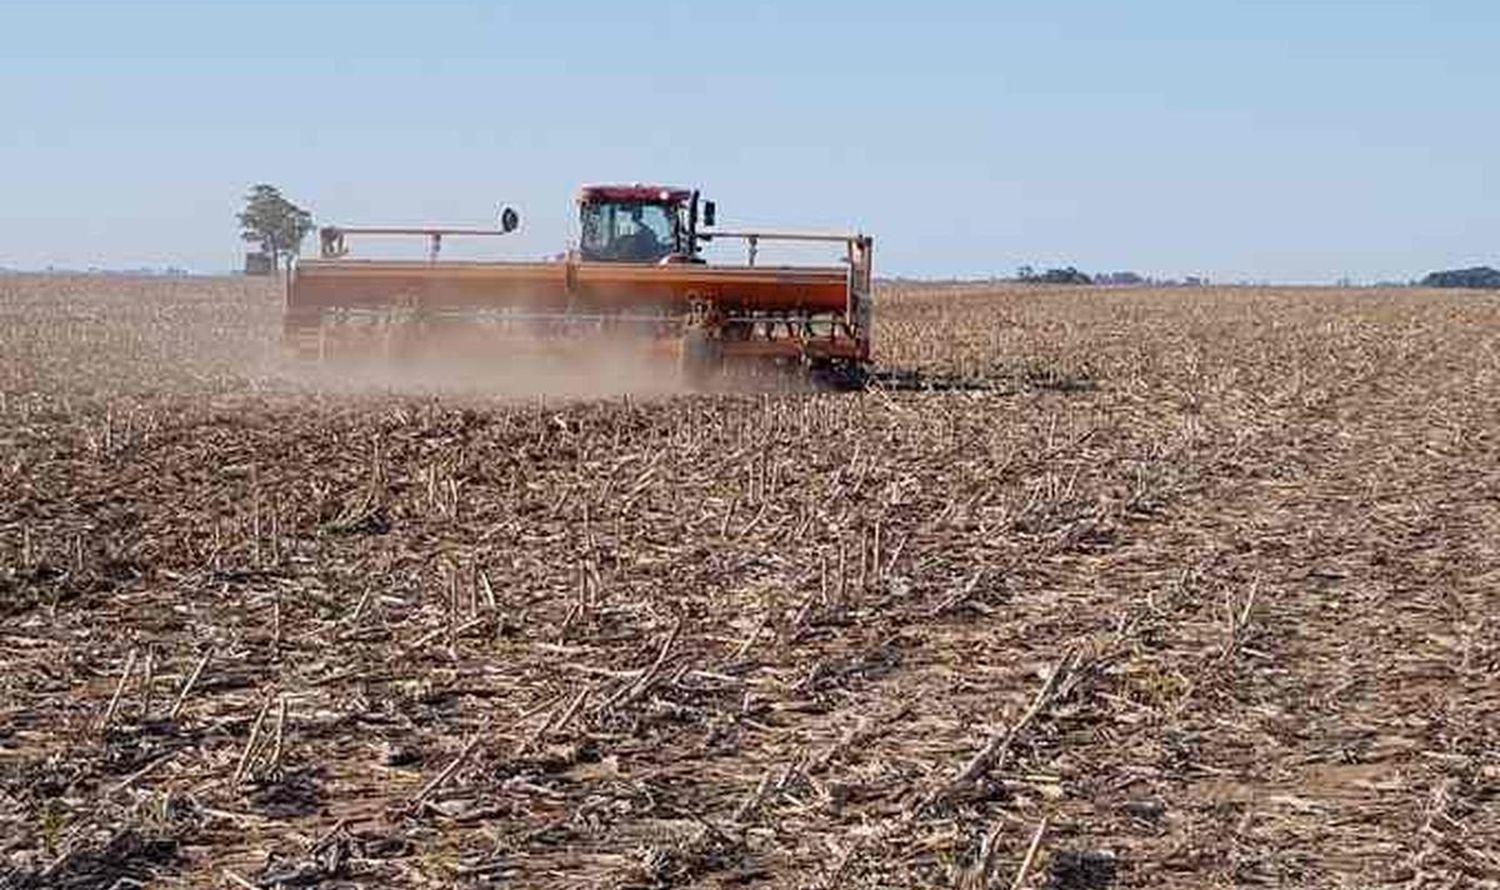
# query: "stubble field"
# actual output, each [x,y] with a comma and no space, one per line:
[1200,589]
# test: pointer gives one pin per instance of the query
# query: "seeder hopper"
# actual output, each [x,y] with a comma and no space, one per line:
[637,279]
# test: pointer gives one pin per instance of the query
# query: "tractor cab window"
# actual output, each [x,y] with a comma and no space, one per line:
[626,232]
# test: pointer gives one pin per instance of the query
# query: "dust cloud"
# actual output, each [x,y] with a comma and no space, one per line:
[580,368]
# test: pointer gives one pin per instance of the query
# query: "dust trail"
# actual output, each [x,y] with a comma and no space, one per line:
[508,367]
[479,363]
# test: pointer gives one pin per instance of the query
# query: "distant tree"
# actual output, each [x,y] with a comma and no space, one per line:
[1065,275]
[1477,277]
[273,222]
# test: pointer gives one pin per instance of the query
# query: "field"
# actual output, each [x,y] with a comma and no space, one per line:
[1199,588]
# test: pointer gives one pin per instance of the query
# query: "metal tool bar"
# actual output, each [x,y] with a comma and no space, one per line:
[753,239]
[334,245]
[783,236]
[402,230]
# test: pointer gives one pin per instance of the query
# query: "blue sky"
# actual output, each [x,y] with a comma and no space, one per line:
[1303,140]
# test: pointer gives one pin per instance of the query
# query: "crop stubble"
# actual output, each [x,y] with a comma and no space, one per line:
[1201,593]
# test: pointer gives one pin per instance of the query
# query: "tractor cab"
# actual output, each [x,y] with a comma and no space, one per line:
[640,224]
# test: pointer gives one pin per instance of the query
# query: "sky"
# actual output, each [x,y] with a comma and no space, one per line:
[1254,140]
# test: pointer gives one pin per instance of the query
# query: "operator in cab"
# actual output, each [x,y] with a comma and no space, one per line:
[627,231]
[641,245]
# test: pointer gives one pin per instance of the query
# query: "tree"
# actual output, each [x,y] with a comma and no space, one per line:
[1477,277]
[1065,275]
[273,222]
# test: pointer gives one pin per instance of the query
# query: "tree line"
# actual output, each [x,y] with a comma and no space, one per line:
[1476,277]
[278,227]
[1070,275]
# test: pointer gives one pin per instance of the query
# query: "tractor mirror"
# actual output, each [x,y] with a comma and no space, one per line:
[708,213]
[509,219]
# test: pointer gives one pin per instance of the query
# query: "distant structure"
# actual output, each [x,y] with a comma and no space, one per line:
[258,262]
